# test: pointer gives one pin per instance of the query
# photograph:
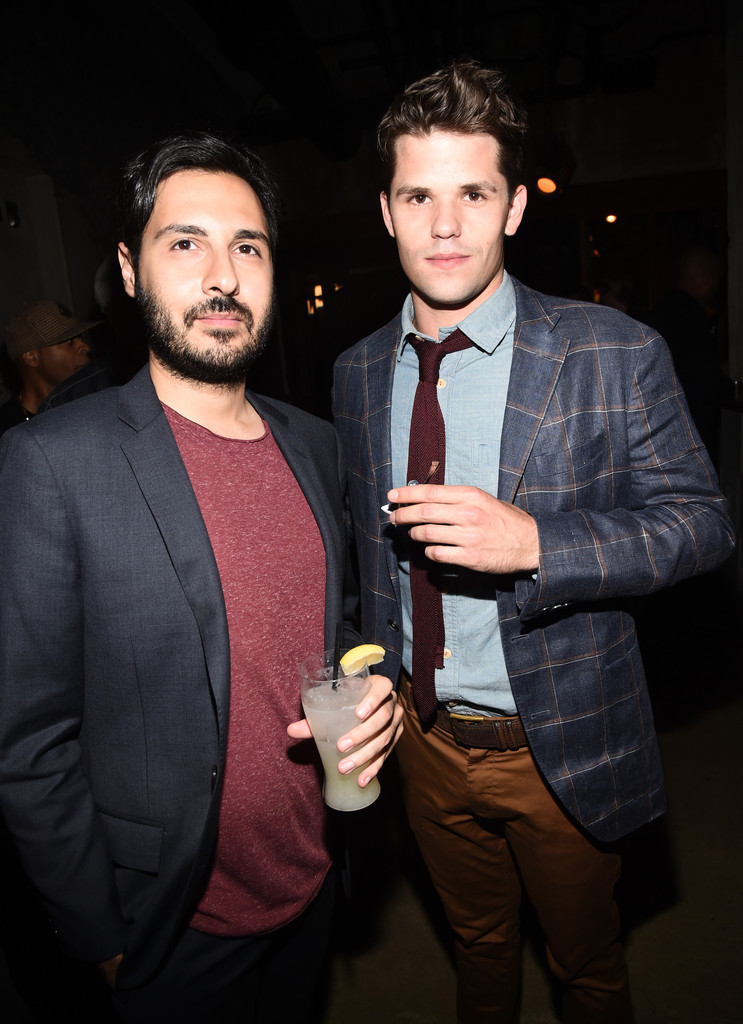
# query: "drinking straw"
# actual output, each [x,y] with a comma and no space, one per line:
[337,655]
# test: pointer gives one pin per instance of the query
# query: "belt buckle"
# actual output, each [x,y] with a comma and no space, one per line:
[459,728]
[466,718]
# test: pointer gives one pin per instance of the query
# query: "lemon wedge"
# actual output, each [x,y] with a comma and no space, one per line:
[364,654]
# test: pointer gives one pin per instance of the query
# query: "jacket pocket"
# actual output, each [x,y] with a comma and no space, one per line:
[133,844]
[576,463]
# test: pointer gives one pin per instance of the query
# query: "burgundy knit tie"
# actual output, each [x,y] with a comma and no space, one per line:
[426,457]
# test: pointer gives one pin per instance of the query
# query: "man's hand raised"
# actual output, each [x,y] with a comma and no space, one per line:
[467,526]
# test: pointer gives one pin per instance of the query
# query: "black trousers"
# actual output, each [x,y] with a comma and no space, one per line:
[267,979]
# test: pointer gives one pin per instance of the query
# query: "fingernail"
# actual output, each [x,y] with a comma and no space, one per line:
[346,766]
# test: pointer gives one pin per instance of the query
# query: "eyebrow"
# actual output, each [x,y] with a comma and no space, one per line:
[480,186]
[473,186]
[244,234]
[251,235]
[410,190]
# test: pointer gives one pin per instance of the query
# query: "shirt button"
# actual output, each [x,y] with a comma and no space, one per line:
[441,383]
[447,652]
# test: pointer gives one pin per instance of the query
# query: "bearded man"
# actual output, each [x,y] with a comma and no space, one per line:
[154,766]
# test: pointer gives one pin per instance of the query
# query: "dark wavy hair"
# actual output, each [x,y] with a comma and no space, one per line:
[189,151]
[464,98]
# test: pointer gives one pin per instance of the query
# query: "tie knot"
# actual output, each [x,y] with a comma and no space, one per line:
[430,353]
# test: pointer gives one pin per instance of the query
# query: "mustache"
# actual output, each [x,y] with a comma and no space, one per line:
[219,304]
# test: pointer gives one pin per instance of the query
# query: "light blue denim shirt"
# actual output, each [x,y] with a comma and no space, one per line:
[472,391]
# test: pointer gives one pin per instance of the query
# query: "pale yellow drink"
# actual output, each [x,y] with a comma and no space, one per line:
[331,712]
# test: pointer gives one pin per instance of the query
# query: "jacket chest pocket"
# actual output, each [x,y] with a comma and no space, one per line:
[577,463]
[571,476]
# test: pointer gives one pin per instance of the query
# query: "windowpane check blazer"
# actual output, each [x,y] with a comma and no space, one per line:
[599,447]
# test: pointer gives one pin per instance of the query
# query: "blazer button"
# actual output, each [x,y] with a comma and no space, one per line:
[393,625]
[214,777]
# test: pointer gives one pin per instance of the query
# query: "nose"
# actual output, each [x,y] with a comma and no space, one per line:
[446,222]
[81,346]
[220,276]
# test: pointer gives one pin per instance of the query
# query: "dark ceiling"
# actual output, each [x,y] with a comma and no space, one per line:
[86,84]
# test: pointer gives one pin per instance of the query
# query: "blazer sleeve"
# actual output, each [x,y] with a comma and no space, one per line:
[45,798]
[647,513]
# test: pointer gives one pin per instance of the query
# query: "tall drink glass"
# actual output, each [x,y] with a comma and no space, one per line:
[330,704]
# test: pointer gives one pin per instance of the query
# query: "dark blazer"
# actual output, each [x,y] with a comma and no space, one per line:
[598,446]
[114,661]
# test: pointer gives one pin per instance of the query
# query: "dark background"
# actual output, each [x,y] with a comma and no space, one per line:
[636,90]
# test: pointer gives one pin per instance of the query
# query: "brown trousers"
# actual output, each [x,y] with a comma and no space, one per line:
[486,823]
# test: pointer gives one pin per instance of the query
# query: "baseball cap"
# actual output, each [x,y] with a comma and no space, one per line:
[40,324]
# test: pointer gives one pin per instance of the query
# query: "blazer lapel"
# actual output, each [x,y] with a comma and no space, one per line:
[378,374]
[295,450]
[294,447]
[538,356]
[161,475]
[377,395]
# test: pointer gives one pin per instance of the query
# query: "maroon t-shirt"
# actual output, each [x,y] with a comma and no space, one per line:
[271,855]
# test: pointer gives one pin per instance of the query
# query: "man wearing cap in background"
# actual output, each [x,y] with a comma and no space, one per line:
[44,347]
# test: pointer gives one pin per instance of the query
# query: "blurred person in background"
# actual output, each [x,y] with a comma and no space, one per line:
[44,346]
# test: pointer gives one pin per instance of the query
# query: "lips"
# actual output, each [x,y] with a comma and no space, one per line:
[219,313]
[447,260]
[220,319]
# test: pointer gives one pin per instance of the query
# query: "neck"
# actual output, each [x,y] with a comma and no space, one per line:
[32,394]
[430,317]
[221,409]
[429,322]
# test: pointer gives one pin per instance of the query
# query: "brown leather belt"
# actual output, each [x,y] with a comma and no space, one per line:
[476,730]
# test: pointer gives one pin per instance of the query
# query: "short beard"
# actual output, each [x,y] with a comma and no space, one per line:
[225,367]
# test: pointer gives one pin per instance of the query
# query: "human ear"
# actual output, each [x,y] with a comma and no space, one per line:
[128,273]
[386,215]
[516,210]
[32,357]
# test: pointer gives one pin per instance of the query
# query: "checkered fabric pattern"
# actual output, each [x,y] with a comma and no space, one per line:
[599,447]
[41,324]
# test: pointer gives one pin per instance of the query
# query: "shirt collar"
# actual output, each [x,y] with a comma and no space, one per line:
[486,326]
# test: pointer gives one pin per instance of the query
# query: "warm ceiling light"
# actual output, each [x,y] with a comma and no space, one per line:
[611,218]
[552,163]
